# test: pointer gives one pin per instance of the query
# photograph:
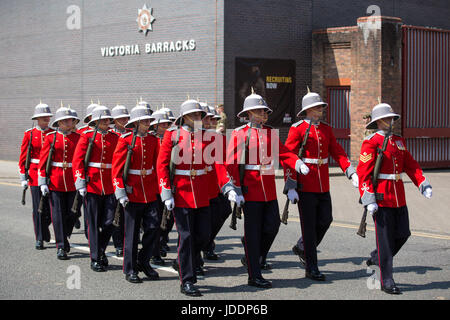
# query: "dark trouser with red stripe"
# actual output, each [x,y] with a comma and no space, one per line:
[134,214]
[261,224]
[40,221]
[117,234]
[159,231]
[194,230]
[315,219]
[62,217]
[392,231]
[100,215]
[220,210]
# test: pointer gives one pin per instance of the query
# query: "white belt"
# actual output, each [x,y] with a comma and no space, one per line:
[191,173]
[140,172]
[100,165]
[315,161]
[393,176]
[258,167]
[35,161]
[62,164]
[209,168]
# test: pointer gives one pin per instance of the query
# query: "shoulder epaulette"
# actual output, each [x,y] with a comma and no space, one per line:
[88,131]
[297,123]
[126,134]
[240,128]
[28,129]
[172,129]
[51,132]
[113,132]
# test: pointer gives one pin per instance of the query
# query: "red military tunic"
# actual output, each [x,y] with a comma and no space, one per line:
[61,176]
[214,187]
[191,180]
[140,184]
[38,140]
[396,160]
[320,145]
[100,162]
[259,177]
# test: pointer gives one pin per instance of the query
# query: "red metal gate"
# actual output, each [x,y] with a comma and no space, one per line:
[339,116]
[426,95]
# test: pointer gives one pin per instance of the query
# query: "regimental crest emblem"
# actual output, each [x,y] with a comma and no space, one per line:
[145,19]
[364,157]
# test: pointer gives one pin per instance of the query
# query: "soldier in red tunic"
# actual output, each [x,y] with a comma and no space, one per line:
[158,127]
[94,183]
[138,193]
[187,195]
[37,135]
[387,204]
[120,116]
[312,189]
[261,213]
[60,184]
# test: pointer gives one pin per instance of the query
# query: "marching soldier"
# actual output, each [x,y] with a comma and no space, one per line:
[59,183]
[159,126]
[94,183]
[187,193]
[138,193]
[386,203]
[220,206]
[32,142]
[311,189]
[80,130]
[120,117]
[257,181]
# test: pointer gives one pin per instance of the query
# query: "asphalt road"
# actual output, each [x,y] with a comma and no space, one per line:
[421,269]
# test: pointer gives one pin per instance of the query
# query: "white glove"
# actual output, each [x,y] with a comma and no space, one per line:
[304,169]
[82,191]
[24,184]
[292,195]
[123,201]
[44,190]
[355,180]
[428,192]
[240,201]
[372,208]
[232,196]
[170,204]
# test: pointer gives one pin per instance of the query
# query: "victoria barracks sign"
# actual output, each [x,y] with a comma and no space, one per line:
[145,20]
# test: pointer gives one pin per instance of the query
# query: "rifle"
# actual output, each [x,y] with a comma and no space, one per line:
[87,157]
[237,211]
[362,225]
[166,213]
[285,215]
[116,221]
[48,168]
[27,165]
